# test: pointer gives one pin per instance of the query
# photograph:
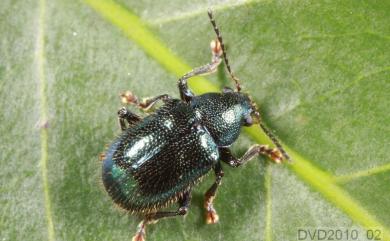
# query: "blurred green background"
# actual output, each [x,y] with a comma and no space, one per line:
[319,70]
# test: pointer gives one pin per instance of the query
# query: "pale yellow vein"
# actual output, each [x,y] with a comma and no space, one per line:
[362,173]
[40,65]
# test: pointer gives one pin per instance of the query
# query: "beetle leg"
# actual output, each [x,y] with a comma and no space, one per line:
[216,50]
[141,232]
[252,152]
[184,203]
[211,213]
[129,98]
[125,114]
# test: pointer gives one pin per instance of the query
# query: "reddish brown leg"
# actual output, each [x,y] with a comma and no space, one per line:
[141,232]
[129,98]
[216,52]
[273,153]
[211,214]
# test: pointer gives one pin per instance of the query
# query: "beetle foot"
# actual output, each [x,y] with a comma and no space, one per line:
[276,156]
[141,233]
[211,215]
[216,48]
[102,156]
[128,98]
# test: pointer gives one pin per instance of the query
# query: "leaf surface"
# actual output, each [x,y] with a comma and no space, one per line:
[319,71]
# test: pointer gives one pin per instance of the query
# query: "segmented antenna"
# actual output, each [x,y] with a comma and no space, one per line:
[238,87]
[236,80]
[275,141]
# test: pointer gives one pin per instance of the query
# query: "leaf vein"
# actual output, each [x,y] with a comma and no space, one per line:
[343,35]
[362,173]
[40,65]
[329,94]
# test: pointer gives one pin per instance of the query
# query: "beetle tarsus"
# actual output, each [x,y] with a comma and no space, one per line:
[211,214]
[216,51]
[141,232]
[273,153]
[102,156]
[128,97]
[146,104]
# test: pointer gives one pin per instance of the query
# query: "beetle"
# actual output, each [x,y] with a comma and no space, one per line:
[158,159]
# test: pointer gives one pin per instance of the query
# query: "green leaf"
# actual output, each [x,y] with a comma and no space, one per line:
[319,71]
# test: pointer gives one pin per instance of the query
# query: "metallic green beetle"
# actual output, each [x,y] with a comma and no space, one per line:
[158,159]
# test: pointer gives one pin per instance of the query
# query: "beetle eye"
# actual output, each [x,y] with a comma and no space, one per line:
[227,90]
[248,120]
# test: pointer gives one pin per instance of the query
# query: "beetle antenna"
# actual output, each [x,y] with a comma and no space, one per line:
[216,30]
[275,141]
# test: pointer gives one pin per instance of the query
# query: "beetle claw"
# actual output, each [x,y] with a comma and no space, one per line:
[102,156]
[211,216]
[128,98]
[216,49]
[140,235]
[276,156]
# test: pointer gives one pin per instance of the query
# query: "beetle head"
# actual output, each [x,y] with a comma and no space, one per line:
[252,116]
